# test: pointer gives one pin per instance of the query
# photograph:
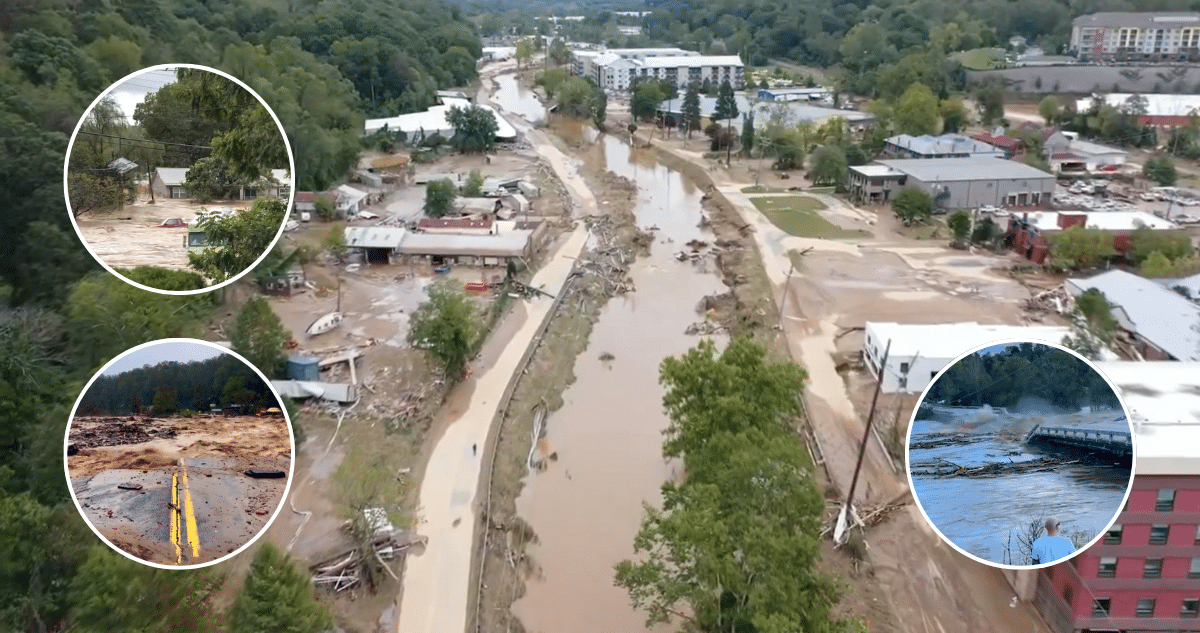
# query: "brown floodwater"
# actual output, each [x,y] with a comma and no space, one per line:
[586,507]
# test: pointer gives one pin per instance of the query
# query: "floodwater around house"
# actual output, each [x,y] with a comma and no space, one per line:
[979,513]
[130,237]
[512,97]
[586,507]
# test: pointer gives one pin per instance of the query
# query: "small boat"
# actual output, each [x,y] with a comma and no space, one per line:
[329,321]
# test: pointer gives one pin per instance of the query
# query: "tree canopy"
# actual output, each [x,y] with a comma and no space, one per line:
[197,385]
[1005,378]
[236,241]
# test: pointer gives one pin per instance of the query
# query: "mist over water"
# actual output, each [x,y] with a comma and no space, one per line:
[979,514]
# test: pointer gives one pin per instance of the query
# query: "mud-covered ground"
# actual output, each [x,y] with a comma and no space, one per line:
[130,237]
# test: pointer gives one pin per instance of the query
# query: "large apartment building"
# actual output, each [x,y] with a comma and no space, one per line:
[616,69]
[1136,36]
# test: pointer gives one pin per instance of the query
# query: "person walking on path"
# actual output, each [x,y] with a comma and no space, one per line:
[1051,547]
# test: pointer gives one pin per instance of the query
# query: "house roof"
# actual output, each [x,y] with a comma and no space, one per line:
[374,236]
[1006,142]
[172,176]
[1067,156]
[511,244]
[875,171]
[122,165]
[1120,19]
[306,196]
[965,169]
[1087,148]
[1165,407]
[792,111]
[1192,284]
[927,145]
[354,195]
[1158,315]
[454,223]
[691,61]
[282,176]
[949,340]
[1156,104]
[434,120]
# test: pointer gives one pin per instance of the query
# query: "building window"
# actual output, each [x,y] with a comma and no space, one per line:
[1189,608]
[1159,534]
[1108,567]
[1165,502]
[1113,536]
[904,368]
[1194,572]
[1145,608]
[1100,607]
[1152,568]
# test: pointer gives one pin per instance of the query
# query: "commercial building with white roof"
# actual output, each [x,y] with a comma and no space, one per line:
[955,183]
[1156,322]
[1161,109]
[433,121]
[919,351]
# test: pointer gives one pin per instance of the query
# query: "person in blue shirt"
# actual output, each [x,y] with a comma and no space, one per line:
[1051,547]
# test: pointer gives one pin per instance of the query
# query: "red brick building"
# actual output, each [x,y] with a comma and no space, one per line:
[1144,575]
[1029,234]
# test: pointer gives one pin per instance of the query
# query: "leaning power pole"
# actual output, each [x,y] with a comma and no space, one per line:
[842,526]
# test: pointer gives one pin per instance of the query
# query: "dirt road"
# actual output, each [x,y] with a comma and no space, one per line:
[437,582]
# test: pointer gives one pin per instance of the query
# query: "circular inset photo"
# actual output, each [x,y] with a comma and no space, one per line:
[179,453]
[179,179]
[1020,454]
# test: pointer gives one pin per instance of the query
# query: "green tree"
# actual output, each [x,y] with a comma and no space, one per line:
[1146,241]
[474,129]
[1050,109]
[600,109]
[164,278]
[828,166]
[726,110]
[159,114]
[253,144]
[208,179]
[1156,265]
[1079,247]
[748,133]
[446,327]
[960,225]
[323,207]
[912,205]
[236,241]
[114,594]
[335,240]
[954,116]
[439,197]
[985,231]
[643,105]
[691,109]
[524,51]
[917,111]
[277,596]
[559,53]
[260,337]
[365,484]
[789,150]
[1160,169]
[474,186]
[990,100]
[165,401]
[575,97]
[89,192]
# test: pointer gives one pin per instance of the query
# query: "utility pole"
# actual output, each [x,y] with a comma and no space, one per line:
[848,510]
[786,285]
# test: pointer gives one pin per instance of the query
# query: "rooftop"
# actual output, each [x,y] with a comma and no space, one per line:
[434,120]
[875,171]
[1094,149]
[795,90]
[1165,406]
[791,112]
[1156,104]
[1103,220]
[662,52]
[454,223]
[1006,142]
[172,176]
[1136,20]
[1192,284]
[691,61]
[963,169]
[927,145]
[374,236]
[949,340]
[510,244]
[1158,315]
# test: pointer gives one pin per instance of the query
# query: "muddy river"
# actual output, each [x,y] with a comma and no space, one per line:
[517,99]
[586,507]
[985,515]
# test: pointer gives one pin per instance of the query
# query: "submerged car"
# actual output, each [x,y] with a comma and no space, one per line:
[172,223]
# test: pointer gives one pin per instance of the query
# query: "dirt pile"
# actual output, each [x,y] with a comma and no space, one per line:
[90,461]
[119,432]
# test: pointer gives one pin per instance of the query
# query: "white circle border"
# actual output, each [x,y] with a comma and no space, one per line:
[1132,465]
[291,170]
[291,439]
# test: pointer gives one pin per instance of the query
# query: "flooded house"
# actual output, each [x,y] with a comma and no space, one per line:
[1029,234]
[1155,322]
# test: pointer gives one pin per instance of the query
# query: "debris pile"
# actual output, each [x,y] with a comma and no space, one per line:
[608,260]
[120,432]
[1053,300]
[344,571]
[704,328]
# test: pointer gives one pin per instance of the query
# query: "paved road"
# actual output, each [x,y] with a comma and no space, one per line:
[437,581]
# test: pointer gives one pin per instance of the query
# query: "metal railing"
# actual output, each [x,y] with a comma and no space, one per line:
[1114,437]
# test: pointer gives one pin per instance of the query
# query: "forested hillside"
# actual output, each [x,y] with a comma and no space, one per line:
[322,67]
[173,386]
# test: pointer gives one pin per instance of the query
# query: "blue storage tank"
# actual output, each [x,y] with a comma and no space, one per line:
[302,367]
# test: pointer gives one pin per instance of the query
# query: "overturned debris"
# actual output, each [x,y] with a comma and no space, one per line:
[344,571]
[943,468]
[704,328]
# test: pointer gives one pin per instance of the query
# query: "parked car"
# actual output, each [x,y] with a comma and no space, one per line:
[172,223]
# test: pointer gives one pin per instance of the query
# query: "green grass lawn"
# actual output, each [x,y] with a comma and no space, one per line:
[763,189]
[797,215]
[981,58]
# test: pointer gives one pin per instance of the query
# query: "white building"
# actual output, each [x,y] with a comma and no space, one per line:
[1085,155]
[1161,109]
[919,352]
[433,121]
[1136,36]
[614,68]
[1156,322]
[684,71]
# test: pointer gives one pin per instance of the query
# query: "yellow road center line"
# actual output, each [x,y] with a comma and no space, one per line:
[190,514]
[175,517]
